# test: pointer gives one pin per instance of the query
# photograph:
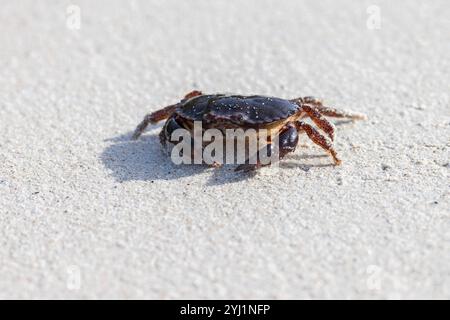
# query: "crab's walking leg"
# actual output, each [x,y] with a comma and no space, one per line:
[152,118]
[330,112]
[159,115]
[193,94]
[319,120]
[318,139]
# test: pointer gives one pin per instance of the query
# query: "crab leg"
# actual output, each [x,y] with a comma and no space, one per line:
[159,115]
[319,120]
[331,112]
[153,118]
[192,94]
[318,139]
[327,111]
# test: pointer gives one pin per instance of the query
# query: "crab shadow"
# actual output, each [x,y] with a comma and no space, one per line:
[146,160]
[294,161]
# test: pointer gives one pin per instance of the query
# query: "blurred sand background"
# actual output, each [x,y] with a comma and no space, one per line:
[86,213]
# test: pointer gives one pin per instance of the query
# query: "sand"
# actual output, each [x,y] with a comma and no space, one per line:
[87,213]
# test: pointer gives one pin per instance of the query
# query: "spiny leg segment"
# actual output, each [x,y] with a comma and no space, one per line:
[327,111]
[193,94]
[159,115]
[153,118]
[319,120]
[318,139]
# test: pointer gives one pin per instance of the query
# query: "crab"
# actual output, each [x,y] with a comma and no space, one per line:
[223,111]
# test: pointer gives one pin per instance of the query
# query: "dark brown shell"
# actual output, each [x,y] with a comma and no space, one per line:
[240,110]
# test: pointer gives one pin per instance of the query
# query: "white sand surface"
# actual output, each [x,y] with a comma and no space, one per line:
[87,213]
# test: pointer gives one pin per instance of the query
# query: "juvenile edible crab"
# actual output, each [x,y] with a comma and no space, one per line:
[222,111]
